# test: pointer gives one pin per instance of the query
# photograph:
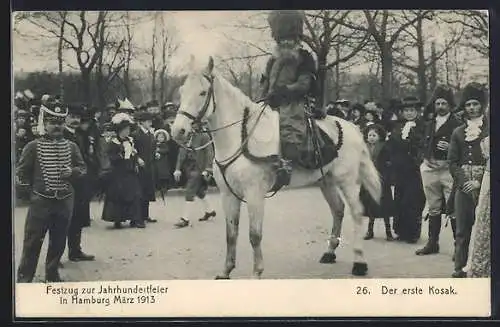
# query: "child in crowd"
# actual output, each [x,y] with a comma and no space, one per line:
[375,136]
[162,160]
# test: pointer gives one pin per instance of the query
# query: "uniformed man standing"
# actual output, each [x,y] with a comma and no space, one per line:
[48,164]
[286,84]
[436,177]
[467,165]
[80,218]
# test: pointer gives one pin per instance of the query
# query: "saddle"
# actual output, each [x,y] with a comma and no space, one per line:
[263,139]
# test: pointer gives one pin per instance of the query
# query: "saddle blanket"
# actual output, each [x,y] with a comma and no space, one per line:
[264,137]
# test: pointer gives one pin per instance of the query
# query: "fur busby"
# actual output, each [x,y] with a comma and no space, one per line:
[286,24]
[443,92]
[121,120]
[410,101]
[473,91]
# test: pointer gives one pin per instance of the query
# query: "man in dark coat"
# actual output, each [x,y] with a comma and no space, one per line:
[146,145]
[90,149]
[197,166]
[287,85]
[404,146]
[48,164]
[80,218]
[436,177]
[467,164]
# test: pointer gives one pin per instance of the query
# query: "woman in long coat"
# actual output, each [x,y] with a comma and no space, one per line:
[123,192]
[405,143]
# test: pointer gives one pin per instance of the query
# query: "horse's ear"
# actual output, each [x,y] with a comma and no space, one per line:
[210,66]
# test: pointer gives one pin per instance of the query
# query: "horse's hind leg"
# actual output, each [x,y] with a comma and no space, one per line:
[351,193]
[231,207]
[256,217]
[337,209]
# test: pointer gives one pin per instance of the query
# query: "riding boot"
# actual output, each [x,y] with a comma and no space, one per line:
[290,154]
[369,233]
[432,245]
[388,233]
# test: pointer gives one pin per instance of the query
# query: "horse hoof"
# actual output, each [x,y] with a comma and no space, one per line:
[328,257]
[359,268]
[220,277]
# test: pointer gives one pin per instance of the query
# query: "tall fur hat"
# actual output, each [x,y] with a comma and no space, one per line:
[443,92]
[286,24]
[473,91]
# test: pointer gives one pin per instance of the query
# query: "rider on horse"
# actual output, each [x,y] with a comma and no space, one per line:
[287,83]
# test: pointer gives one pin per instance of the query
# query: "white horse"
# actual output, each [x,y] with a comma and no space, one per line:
[208,97]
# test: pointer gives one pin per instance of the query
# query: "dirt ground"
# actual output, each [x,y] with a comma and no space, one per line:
[296,229]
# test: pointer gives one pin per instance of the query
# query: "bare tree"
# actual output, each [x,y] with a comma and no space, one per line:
[52,26]
[386,28]
[417,40]
[169,46]
[476,26]
[324,32]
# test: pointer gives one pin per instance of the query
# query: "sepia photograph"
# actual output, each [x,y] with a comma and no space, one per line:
[273,151]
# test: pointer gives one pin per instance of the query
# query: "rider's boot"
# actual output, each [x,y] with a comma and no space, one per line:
[290,154]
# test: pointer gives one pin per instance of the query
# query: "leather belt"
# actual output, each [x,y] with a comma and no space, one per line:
[57,194]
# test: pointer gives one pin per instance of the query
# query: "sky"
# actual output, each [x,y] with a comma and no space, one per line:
[193,29]
[200,33]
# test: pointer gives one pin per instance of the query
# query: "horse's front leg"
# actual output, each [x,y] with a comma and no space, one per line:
[231,206]
[256,218]
[336,205]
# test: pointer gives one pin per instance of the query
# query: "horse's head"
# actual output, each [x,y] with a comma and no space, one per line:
[197,101]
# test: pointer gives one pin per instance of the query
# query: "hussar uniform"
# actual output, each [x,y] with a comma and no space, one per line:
[52,197]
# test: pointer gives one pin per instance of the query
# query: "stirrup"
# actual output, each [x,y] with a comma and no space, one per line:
[283,174]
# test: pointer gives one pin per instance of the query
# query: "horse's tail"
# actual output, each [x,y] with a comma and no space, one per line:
[370,178]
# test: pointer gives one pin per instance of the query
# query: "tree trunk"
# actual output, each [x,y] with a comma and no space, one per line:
[126,72]
[421,68]
[60,46]
[337,73]
[387,63]
[86,81]
[321,82]
[433,76]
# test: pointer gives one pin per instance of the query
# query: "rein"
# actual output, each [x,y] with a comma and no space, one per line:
[197,120]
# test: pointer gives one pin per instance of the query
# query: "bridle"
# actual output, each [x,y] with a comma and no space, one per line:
[210,98]
[199,128]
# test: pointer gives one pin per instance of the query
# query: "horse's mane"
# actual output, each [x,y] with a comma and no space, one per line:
[241,99]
